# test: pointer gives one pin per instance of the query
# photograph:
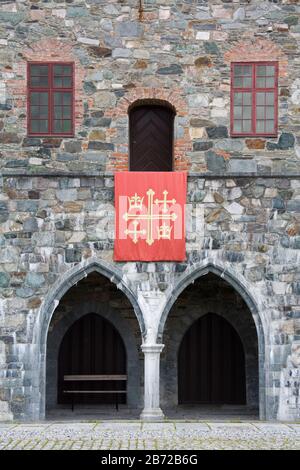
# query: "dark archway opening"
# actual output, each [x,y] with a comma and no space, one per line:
[211,364]
[91,346]
[151,129]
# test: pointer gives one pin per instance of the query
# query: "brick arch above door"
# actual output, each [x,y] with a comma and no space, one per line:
[174,99]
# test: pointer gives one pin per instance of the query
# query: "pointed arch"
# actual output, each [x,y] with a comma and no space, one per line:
[240,285]
[61,286]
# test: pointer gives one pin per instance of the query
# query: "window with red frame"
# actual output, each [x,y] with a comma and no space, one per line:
[50,99]
[254,97]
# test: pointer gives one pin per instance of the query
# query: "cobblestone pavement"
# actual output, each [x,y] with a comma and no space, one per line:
[117,435]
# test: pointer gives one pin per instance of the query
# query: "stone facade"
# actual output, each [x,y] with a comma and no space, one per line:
[57,208]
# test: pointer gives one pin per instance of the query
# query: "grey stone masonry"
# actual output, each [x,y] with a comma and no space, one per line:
[57,194]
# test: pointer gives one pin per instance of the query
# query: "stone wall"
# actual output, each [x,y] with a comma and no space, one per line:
[56,204]
[179,52]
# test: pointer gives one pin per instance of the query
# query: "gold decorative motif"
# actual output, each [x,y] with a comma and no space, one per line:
[136,202]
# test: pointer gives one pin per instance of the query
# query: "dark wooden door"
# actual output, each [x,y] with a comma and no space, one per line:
[211,363]
[151,138]
[92,345]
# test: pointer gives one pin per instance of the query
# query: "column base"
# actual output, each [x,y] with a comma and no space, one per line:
[154,414]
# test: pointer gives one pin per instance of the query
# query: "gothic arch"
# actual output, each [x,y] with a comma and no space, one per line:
[64,283]
[238,282]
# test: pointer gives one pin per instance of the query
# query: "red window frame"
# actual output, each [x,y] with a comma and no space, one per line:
[50,89]
[254,90]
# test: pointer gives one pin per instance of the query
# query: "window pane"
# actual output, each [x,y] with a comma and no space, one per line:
[43,111]
[67,112]
[247,82]
[247,70]
[260,126]
[246,126]
[238,70]
[260,98]
[247,112]
[67,98]
[34,111]
[237,126]
[67,126]
[43,98]
[44,125]
[67,82]
[270,98]
[34,126]
[238,110]
[57,112]
[238,82]
[270,126]
[58,82]
[58,70]
[270,82]
[260,112]
[38,70]
[57,126]
[269,112]
[67,70]
[247,98]
[34,98]
[261,82]
[261,70]
[270,69]
[57,98]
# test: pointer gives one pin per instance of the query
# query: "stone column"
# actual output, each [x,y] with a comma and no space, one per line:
[152,409]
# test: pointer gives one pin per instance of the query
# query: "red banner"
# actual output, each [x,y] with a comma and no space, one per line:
[149,223]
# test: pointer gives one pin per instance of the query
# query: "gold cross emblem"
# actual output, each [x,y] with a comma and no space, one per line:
[151,215]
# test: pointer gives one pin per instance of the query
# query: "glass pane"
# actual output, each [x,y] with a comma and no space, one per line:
[238,70]
[58,83]
[67,70]
[260,126]
[238,98]
[43,111]
[57,126]
[58,70]
[237,126]
[270,126]
[36,70]
[260,112]
[246,126]
[269,112]
[67,126]
[247,112]
[44,125]
[67,82]
[34,98]
[270,70]
[67,112]
[261,70]
[43,98]
[34,111]
[247,82]
[57,98]
[270,82]
[237,110]
[57,112]
[34,126]
[260,98]
[247,70]
[270,98]
[247,98]
[67,98]
[238,82]
[261,83]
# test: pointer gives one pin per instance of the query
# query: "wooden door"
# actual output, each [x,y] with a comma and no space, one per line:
[151,138]
[92,345]
[211,363]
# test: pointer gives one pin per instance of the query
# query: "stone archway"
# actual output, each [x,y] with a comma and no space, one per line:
[67,281]
[239,286]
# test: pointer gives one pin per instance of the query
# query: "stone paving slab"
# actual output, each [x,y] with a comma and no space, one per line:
[149,436]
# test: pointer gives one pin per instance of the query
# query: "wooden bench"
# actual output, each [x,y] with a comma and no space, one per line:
[95,378]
